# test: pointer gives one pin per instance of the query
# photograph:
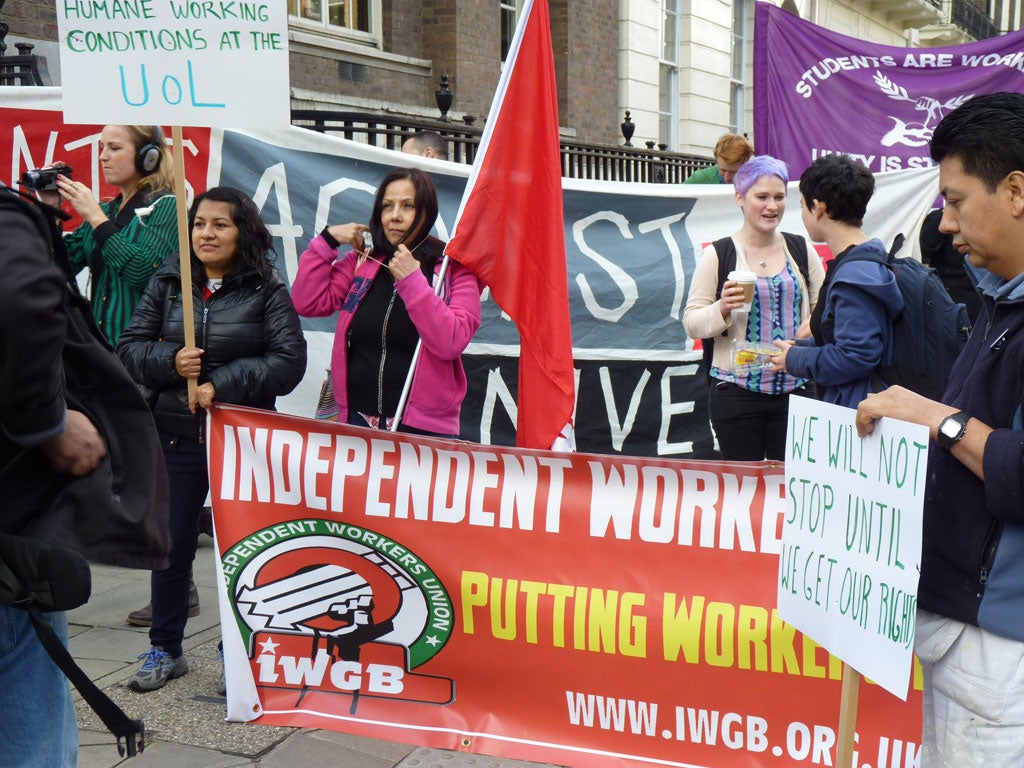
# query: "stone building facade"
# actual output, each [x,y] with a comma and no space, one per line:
[683,68]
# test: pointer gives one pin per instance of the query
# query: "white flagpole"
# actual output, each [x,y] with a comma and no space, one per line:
[485,141]
[416,352]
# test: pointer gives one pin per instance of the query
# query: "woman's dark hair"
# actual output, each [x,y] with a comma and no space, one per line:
[255,243]
[425,248]
[843,184]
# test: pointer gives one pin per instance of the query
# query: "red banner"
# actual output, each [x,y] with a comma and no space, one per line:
[576,609]
[35,136]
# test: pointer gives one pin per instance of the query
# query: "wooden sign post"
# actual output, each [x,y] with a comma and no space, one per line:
[184,248]
[847,717]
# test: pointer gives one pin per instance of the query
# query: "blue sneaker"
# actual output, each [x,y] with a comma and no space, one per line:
[157,668]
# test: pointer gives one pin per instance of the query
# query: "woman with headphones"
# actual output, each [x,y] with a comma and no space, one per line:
[123,241]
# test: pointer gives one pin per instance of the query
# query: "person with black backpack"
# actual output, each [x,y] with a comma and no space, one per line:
[748,404]
[38,431]
[937,252]
[852,324]
[79,477]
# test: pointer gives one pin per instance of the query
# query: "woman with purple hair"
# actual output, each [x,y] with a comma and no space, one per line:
[748,402]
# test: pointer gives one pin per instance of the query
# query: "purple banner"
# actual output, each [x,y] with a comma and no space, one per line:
[817,92]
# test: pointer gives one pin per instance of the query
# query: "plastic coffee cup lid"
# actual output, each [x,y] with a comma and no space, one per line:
[742,276]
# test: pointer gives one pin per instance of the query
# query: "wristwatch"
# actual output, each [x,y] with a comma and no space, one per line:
[951,429]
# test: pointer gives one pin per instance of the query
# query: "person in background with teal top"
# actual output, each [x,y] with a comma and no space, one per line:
[123,241]
[731,151]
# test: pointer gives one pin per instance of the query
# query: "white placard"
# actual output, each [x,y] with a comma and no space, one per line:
[175,62]
[851,538]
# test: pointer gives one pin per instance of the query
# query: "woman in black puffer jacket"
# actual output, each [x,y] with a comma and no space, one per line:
[249,350]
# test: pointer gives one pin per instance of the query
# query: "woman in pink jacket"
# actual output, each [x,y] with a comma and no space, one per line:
[386,303]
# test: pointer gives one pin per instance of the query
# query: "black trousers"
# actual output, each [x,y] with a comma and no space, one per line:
[750,426]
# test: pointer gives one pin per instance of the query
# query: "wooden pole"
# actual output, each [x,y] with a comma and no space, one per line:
[847,717]
[184,248]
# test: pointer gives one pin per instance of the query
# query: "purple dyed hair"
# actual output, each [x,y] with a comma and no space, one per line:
[757,168]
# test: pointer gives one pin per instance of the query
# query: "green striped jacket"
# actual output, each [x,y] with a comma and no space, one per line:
[123,253]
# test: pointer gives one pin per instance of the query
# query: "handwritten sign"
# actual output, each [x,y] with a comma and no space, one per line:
[175,62]
[851,539]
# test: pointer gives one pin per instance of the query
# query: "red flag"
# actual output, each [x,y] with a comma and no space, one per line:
[510,230]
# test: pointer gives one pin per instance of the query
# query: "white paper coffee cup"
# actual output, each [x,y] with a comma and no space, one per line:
[747,281]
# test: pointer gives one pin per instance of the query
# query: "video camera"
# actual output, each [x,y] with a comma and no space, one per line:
[44,178]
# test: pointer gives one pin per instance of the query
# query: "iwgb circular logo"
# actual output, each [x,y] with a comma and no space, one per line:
[339,582]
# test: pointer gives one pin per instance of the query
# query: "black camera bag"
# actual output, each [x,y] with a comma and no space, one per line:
[38,576]
[50,576]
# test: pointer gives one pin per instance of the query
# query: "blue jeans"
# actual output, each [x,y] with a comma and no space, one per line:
[189,481]
[36,708]
[38,727]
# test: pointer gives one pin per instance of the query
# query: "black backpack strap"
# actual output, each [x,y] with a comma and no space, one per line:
[850,258]
[897,243]
[797,246]
[36,203]
[725,250]
[118,723]
[25,562]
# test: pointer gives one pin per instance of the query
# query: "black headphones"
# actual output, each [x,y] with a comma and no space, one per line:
[147,159]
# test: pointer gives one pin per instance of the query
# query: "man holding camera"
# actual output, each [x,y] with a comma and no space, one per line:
[40,437]
[55,367]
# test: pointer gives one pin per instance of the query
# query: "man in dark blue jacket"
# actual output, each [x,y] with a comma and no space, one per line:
[970,620]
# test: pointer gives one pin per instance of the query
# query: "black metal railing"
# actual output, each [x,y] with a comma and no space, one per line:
[580,160]
[23,69]
[605,163]
[390,131]
[973,20]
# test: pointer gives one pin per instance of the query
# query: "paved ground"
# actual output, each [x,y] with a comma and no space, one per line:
[185,725]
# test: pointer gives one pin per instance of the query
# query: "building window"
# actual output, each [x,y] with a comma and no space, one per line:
[509,18]
[737,88]
[668,75]
[334,14]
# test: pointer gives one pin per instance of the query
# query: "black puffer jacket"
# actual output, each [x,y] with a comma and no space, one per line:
[254,347]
